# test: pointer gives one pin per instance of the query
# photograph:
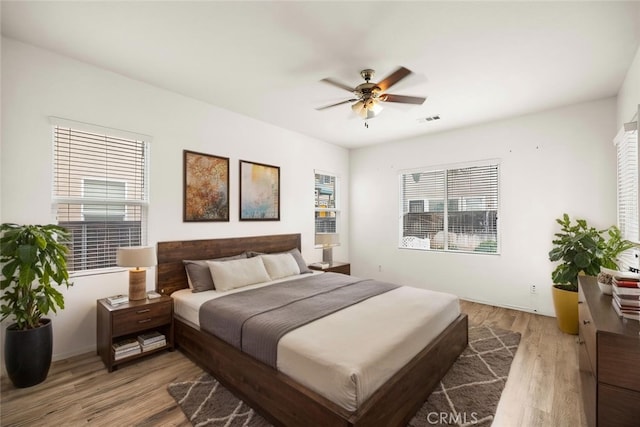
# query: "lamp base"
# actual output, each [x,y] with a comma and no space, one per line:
[137,285]
[327,255]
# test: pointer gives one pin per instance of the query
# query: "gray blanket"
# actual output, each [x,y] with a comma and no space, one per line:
[255,320]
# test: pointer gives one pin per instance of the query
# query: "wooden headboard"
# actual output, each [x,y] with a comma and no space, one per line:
[171,275]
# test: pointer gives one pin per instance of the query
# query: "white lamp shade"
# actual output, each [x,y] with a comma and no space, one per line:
[136,256]
[327,239]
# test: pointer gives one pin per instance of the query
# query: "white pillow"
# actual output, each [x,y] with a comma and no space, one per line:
[235,274]
[280,265]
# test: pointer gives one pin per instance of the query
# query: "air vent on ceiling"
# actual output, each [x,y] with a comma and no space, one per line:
[428,119]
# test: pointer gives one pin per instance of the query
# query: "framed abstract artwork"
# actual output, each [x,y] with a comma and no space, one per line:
[259,192]
[206,187]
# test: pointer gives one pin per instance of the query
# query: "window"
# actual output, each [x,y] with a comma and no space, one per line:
[628,183]
[100,191]
[467,222]
[326,207]
[103,189]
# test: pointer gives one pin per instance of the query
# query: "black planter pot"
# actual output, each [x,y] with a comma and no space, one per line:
[27,354]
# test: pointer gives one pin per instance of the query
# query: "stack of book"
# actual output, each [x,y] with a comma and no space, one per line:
[626,296]
[117,299]
[152,340]
[126,348]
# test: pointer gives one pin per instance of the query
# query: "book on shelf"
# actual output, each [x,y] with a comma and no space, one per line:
[626,283]
[627,314]
[153,345]
[628,297]
[125,344]
[633,303]
[150,337]
[117,299]
[625,291]
[130,352]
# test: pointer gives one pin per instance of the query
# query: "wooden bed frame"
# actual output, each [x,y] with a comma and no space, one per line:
[277,397]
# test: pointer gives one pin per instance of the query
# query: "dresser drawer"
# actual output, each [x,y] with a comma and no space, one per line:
[139,318]
[619,361]
[588,385]
[587,332]
[618,407]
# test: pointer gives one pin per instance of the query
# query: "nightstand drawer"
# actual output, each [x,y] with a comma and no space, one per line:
[143,317]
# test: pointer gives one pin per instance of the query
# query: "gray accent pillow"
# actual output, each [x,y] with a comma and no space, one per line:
[199,275]
[296,255]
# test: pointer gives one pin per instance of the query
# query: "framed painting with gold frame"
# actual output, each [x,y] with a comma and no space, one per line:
[206,187]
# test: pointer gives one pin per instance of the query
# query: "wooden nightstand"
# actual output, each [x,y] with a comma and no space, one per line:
[121,322]
[335,267]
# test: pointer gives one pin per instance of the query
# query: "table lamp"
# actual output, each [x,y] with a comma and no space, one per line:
[327,241]
[138,257]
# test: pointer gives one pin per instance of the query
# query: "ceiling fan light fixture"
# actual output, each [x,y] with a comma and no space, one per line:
[375,107]
[358,107]
[369,95]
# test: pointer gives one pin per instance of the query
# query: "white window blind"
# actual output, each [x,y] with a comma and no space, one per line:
[100,194]
[628,183]
[326,207]
[467,222]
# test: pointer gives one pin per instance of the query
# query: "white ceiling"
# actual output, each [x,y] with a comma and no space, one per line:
[475,61]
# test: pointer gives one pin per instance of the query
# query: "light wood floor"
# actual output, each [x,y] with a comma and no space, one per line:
[542,390]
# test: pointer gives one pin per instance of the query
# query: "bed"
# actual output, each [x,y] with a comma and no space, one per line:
[278,396]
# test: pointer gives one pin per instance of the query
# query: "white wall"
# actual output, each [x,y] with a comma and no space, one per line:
[551,162]
[37,84]
[629,95]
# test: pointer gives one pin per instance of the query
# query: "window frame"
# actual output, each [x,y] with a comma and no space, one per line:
[628,187]
[327,210]
[141,202]
[461,203]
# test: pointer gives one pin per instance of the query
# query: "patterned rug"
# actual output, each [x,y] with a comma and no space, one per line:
[468,395]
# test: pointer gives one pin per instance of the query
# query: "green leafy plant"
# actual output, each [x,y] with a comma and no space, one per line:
[614,246]
[582,248]
[33,258]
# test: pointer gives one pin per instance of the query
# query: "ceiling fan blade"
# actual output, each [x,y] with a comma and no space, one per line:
[338,84]
[403,98]
[394,78]
[333,105]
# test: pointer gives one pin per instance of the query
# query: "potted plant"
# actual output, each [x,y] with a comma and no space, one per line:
[580,248]
[613,247]
[605,282]
[33,258]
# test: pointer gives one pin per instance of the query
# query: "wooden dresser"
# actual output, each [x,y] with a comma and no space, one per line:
[609,355]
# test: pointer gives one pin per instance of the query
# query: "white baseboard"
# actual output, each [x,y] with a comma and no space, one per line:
[513,307]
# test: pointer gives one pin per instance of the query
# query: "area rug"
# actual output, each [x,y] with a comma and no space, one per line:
[468,395]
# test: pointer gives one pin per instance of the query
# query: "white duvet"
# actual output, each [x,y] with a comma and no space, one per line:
[348,355]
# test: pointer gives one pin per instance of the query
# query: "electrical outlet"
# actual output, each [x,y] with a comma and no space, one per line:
[532,289]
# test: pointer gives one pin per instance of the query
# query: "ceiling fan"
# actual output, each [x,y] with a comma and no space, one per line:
[368,96]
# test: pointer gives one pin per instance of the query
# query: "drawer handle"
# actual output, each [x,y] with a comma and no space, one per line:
[580,302]
[580,341]
[144,320]
[146,310]
[585,322]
